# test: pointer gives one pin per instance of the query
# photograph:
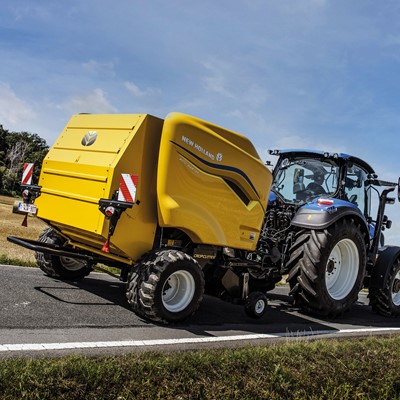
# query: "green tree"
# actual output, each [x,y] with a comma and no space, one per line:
[16,148]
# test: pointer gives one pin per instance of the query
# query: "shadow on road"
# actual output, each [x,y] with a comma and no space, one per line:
[105,292]
[213,314]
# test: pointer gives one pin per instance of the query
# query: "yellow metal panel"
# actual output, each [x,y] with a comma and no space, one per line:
[211,183]
[68,210]
[104,145]
[75,176]
[193,175]
[137,226]
[105,121]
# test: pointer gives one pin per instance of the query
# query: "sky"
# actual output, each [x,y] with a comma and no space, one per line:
[315,74]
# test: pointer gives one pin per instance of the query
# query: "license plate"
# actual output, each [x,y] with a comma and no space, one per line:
[27,208]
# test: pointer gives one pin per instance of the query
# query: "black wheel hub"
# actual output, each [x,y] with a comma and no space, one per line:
[396,286]
[330,266]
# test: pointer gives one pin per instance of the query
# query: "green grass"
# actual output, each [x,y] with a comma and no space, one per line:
[351,369]
[4,259]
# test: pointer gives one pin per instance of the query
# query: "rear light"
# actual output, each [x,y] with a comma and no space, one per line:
[25,193]
[325,202]
[109,211]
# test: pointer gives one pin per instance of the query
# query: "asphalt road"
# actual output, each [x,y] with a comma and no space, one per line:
[41,315]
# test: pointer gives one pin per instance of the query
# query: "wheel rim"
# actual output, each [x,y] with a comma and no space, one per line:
[259,307]
[342,269]
[396,289]
[178,291]
[72,264]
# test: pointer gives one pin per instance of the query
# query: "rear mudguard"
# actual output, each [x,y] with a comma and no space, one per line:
[386,257]
[317,215]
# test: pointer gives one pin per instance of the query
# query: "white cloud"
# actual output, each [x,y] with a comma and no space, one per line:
[217,79]
[137,92]
[94,66]
[92,102]
[22,12]
[14,111]
[300,142]
[392,40]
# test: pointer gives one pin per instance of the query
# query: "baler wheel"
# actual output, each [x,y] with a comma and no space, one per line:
[166,286]
[60,267]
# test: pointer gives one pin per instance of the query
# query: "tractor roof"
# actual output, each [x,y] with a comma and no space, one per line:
[323,154]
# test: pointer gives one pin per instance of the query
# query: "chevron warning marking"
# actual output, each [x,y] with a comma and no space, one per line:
[127,188]
[27,174]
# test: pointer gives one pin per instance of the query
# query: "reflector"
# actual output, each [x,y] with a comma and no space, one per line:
[326,202]
[110,211]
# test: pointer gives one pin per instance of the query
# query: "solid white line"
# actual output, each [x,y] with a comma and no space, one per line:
[197,340]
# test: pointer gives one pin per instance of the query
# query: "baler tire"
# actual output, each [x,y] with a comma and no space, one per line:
[166,286]
[386,300]
[60,267]
[328,268]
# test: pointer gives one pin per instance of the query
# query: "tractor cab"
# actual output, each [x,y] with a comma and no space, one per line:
[302,176]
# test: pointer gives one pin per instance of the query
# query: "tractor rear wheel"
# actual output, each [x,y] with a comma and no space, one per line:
[386,299]
[60,267]
[328,268]
[166,286]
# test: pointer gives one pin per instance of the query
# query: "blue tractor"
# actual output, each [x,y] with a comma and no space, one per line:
[320,231]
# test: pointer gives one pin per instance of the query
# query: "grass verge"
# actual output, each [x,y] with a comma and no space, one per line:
[352,369]
[11,226]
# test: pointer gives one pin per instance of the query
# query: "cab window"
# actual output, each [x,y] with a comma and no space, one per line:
[303,179]
[354,187]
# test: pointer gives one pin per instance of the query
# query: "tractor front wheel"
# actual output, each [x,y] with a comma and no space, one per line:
[329,270]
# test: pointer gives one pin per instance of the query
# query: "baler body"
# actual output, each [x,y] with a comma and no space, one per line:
[194,176]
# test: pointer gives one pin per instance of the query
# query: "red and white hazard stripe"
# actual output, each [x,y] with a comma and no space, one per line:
[27,174]
[127,187]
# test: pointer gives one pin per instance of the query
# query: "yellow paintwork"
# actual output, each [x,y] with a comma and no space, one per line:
[196,161]
[75,177]
[191,176]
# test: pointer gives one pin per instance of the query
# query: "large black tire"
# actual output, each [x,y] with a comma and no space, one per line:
[166,286]
[386,299]
[327,268]
[60,267]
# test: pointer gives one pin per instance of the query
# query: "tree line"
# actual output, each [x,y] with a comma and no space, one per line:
[17,148]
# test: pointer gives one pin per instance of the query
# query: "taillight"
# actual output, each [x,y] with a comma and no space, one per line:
[25,193]
[109,211]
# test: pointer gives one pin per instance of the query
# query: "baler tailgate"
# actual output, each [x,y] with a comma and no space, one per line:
[85,165]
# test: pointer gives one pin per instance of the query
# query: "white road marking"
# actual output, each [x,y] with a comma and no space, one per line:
[197,340]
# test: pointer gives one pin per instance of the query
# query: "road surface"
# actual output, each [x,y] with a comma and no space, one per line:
[45,316]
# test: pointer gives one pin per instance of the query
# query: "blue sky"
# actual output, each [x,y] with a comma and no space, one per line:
[320,74]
